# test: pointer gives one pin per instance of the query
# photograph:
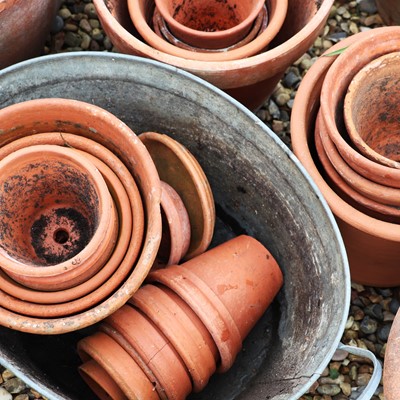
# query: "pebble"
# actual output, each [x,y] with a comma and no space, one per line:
[4,395]
[330,390]
[368,325]
[383,332]
[367,6]
[58,24]
[14,385]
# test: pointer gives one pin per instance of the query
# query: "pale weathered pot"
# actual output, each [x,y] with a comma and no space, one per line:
[364,50]
[23,28]
[84,119]
[209,24]
[371,110]
[389,10]
[71,218]
[250,80]
[372,245]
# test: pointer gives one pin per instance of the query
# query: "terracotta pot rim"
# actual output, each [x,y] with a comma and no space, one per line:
[100,120]
[65,269]
[242,26]
[277,53]
[329,95]
[311,81]
[357,82]
[276,16]
[135,235]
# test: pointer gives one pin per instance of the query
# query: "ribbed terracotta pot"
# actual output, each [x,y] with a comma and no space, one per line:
[372,245]
[24,27]
[391,368]
[59,222]
[229,287]
[250,80]
[382,41]
[209,24]
[83,119]
[389,10]
[121,185]
[371,111]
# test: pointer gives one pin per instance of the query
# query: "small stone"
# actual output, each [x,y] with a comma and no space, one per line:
[73,39]
[277,126]
[367,6]
[86,39]
[394,305]
[107,43]
[385,292]
[363,379]
[282,98]
[64,13]
[85,25]
[7,374]
[291,80]
[349,322]
[90,10]
[94,46]
[373,20]
[388,316]
[353,28]
[368,325]
[273,109]
[330,390]
[22,397]
[340,355]
[374,311]
[97,34]
[4,395]
[35,394]
[346,388]
[57,25]
[341,10]
[358,287]
[14,385]
[353,372]
[94,23]
[383,332]
[71,27]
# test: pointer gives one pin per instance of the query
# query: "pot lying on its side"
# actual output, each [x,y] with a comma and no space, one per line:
[263,192]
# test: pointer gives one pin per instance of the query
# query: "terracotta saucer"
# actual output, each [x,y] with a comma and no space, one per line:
[179,168]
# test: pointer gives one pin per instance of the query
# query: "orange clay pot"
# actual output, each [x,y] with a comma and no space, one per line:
[24,27]
[86,120]
[183,329]
[371,111]
[250,80]
[372,245]
[162,30]
[118,364]
[127,198]
[228,287]
[391,368]
[177,167]
[59,222]
[175,239]
[151,350]
[209,24]
[384,40]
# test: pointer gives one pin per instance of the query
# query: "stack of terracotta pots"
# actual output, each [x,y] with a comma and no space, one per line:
[187,322]
[345,131]
[242,47]
[84,213]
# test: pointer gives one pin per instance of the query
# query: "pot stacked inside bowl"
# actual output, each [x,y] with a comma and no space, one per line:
[85,216]
[345,128]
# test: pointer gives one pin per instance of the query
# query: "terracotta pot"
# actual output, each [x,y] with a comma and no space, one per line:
[24,27]
[382,41]
[176,234]
[71,219]
[372,245]
[391,367]
[389,10]
[116,363]
[371,110]
[384,195]
[142,14]
[162,30]
[250,80]
[343,188]
[116,269]
[209,24]
[93,122]
[229,287]
[151,350]
[183,329]
[177,167]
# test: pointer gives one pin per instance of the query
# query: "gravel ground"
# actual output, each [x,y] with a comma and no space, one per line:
[76,28]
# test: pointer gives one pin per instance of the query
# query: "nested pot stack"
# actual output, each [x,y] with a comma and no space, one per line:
[184,324]
[345,125]
[242,47]
[84,213]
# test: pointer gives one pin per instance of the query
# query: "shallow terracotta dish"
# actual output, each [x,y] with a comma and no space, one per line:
[177,167]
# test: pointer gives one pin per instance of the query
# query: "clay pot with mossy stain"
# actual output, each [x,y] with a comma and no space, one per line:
[209,24]
[197,313]
[59,222]
[250,79]
[372,245]
[84,120]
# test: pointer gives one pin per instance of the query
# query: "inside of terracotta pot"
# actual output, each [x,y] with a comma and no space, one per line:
[49,211]
[262,192]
